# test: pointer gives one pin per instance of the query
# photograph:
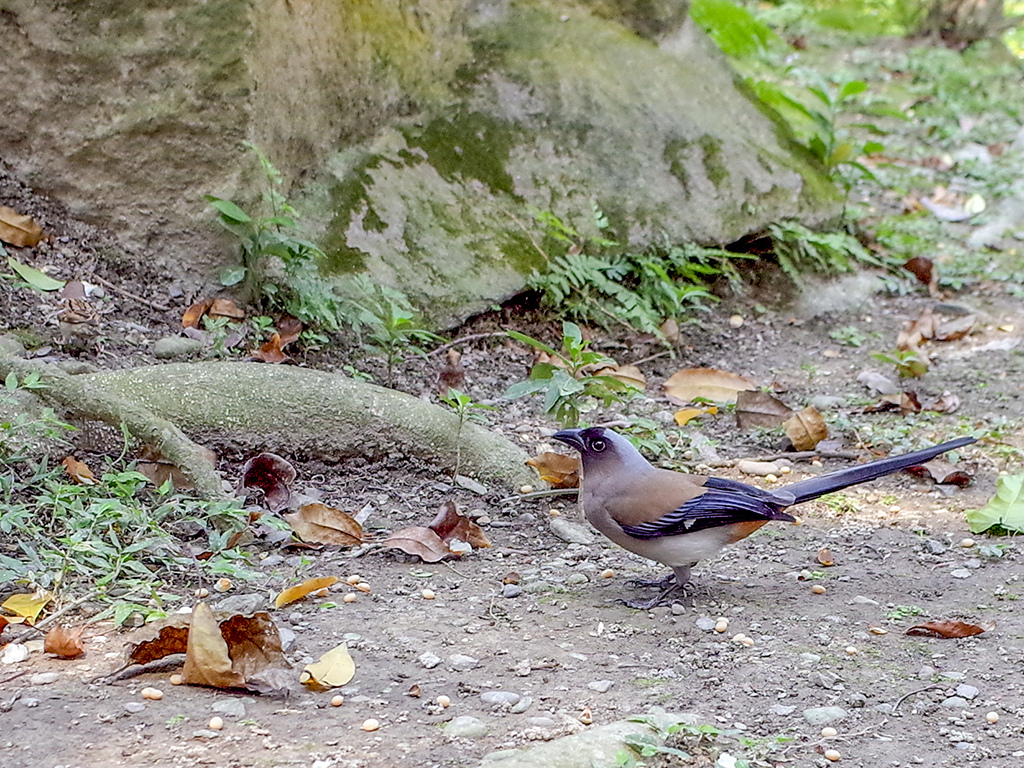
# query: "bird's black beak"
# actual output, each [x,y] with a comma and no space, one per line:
[571,437]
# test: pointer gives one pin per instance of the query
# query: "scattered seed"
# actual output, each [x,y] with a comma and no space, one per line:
[370,725]
[204,592]
[894,509]
[736,321]
[825,557]
[878,631]
[722,624]
[771,478]
[554,513]
[818,589]
[852,650]
[816,463]
[526,489]
[223,585]
[321,592]
[444,701]
[414,691]
[153,694]
[428,594]
[350,597]
[215,724]
[832,754]
[353,580]
[176,679]
[785,470]
[806,575]
[511,578]
[967,543]
[362,586]
[992,717]
[608,573]
[829,733]
[585,717]
[337,701]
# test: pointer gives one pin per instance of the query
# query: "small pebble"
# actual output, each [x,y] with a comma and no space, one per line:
[511,590]
[818,589]
[771,478]
[785,470]
[443,701]
[736,321]
[894,509]
[337,701]
[851,650]
[350,597]
[526,489]
[878,631]
[370,725]
[816,463]
[992,717]
[44,678]
[427,594]
[607,573]
[967,543]
[585,717]
[204,592]
[362,586]
[134,707]
[176,679]
[223,585]
[805,575]
[353,580]
[832,754]
[722,624]
[215,724]
[829,732]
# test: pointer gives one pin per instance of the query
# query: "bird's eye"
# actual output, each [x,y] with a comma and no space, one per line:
[597,445]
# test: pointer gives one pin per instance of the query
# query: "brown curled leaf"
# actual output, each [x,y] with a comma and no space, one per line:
[949,629]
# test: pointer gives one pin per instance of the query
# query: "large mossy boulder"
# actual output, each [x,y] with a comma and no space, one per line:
[419,142]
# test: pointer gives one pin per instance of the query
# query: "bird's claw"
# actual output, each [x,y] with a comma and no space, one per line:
[666,583]
[665,598]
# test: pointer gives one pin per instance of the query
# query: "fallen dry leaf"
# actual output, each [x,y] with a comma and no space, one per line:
[332,670]
[194,314]
[684,416]
[318,523]
[225,654]
[449,525]
[299,591]
[157,640]
[883,385]
[627,374]
[64,642]
[226,308]
[904,402]
[670,330]
[273,475]
[289,326]
[27,604]
[272,350]
[947,402]
[18,229]
[690,384]
[420,541]
[949,629]
[918,331]
[78,471]
[953,330]
[557,469]
[806,429]
[942,472]
[151,464]
[760,409]
[3,623]
[825,557]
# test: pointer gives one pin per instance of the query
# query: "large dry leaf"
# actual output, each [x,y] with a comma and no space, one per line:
[690,384]
[195,313]
[226,654]
[450,525]
[273,475]
[333,669]
[64,642]
[151,464]
[759,409]
[904,402]
[806,429]
[78,471]
[28,604]
[3,623]
[299,591]
[942,472]
[19,230]
[947,402]
[320,524]
[627,374]
[158,640]
[949,629]
[272,351]
[226,308]
[557,469]
[420,541]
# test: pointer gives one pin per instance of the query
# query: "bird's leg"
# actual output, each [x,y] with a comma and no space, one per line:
[664,583]
[677,581]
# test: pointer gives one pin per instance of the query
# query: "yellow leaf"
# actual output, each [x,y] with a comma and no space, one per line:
[806,429]
[684,416]
[207,660]
[299,591]
[19,230]
[29,605]
[334,669]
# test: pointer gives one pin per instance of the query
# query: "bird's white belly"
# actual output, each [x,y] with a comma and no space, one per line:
[672,551]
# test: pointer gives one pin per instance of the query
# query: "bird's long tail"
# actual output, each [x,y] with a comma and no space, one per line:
[805,490]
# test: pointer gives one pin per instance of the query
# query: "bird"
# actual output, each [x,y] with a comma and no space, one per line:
[452,375]
[678,519]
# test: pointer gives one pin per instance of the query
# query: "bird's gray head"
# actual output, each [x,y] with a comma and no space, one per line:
[601,446]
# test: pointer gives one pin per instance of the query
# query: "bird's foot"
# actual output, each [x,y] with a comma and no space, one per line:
[666,583]
[671,593]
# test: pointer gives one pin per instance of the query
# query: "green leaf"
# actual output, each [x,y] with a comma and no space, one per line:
[873,148]
[523,388]
[572,331]
[532,342]
[1006,510]
[232,275]
[11,382]
[852,88]
[228,209]
[34,277]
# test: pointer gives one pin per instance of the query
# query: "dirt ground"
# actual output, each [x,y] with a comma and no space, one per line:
[562,643]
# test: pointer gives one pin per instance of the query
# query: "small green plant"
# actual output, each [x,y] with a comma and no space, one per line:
[849,336]
[700,743]
[909,363]
[274,234]
[24,429]
[903,611]
[564,380]
[800,250]
[467,410]
[384,322]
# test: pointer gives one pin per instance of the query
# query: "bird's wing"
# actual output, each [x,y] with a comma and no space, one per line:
[723,502]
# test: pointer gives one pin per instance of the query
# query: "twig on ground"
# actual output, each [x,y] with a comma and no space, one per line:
[130,295]
[465,340]
[913,693]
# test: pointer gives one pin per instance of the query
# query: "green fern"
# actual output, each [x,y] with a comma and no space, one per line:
[801,250]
